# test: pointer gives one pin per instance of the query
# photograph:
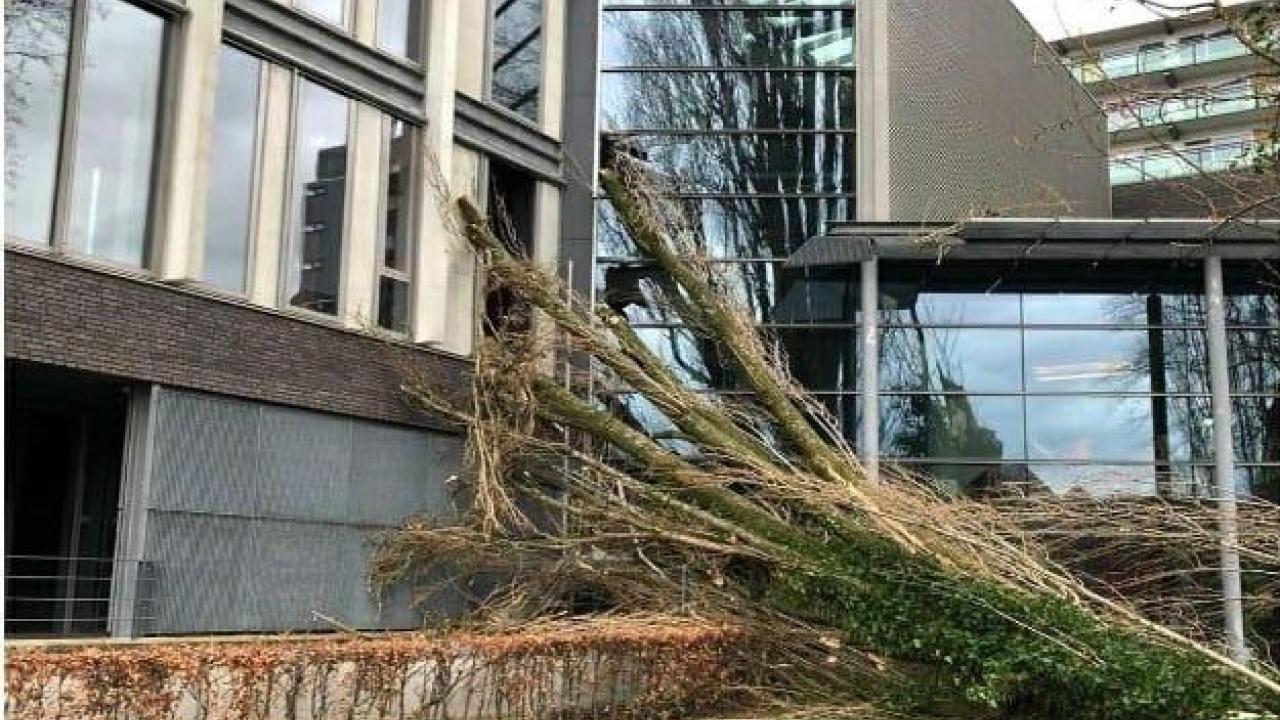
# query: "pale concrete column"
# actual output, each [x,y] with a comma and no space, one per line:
[461,300]
[185,183]
[472,48]
[440,252]
[554,18]
[364,21]
[872,111]
[1224,456]
[869,340]
[270,194]
[364,210]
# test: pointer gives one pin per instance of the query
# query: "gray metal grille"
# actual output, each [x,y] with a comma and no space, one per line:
[984,120]
[259,516]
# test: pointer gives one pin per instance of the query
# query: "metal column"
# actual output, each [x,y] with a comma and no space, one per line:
[1224,458]
[869,342]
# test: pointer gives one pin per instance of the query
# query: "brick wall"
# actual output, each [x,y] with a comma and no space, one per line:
[60,313]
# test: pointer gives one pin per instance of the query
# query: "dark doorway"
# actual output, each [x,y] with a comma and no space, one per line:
[511,214]
[64,444]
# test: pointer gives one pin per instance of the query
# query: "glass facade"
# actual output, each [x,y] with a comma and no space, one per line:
[105,144]
[748,115]
[399,28]
[1053,376]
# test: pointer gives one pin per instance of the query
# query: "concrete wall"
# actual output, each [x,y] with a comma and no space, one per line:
[979,116]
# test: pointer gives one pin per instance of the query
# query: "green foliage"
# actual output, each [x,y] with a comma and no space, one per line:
[997,652]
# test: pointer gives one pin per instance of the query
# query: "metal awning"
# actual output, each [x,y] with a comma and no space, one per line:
[1042,239]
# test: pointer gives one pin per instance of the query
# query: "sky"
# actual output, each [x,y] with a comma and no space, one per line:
[1059,18]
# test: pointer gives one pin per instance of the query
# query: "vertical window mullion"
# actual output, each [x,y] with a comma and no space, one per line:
[67,140]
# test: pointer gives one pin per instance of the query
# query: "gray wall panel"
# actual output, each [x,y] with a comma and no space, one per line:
[206,452]
[983,119]
[259,515]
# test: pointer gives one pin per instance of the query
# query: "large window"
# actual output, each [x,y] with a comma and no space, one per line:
[399,158]
[400,27]
[318,198]
[746,112]
[231,172]
[517,56]
[1055,377]
[82,90]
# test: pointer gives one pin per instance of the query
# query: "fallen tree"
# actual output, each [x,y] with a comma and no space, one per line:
[605,482]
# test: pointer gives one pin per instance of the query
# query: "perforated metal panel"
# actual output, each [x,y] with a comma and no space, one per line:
[260,516]
[984,120]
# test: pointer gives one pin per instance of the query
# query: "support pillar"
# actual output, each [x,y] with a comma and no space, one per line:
[1224,459]
[869,342]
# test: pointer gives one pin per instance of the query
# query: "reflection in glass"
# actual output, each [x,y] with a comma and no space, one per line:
[951,426]
[1254,361]
[1110,480]
[398,24]
[393,304]
[517,56]
[906,303]
[750,163]
[820,360]
[1090,428]
[728,38]
[977,479]
[36,41]
[318,199]
[1261,482]
[1086,360]
[734,227]
[116,132]
[330,10]
[1256,424]
[226,245]
[395,202]
[772,293]
[953,360]
[692,100]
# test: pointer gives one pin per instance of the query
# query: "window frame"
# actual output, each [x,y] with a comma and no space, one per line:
[412,217]
[289,238]
[170,14]
[418,30]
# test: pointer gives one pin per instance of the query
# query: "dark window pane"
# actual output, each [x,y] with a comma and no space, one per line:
[950,360]
[1254,359]
[398,27]
[1087,360]
[734,227]
[396,203]
[226,245]
[319,199]
[747,163]
[1256,425]
[904,303]
[517,56]
[116,132]
[773,294]
[36,41]
[1107,429]
[694,100]
[822,360]
[951,426]
[393,304]
[728,38]
[1262,482]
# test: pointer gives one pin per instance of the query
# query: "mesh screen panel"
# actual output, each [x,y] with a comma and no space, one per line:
[984,120]
[261,515]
